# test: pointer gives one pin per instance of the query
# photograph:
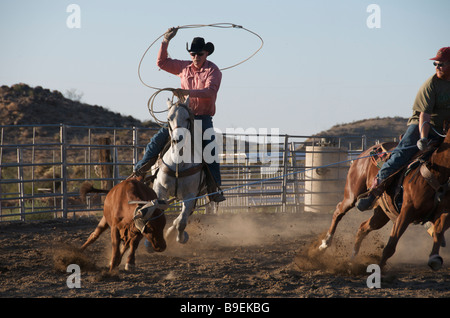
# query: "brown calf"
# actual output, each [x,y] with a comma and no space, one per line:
[118,215]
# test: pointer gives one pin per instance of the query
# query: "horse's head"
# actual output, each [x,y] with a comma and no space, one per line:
[180,120]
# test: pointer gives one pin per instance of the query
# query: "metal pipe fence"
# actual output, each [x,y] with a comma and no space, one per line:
[42,168]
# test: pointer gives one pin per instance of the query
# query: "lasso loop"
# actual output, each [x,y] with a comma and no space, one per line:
[190,26]
[151,101]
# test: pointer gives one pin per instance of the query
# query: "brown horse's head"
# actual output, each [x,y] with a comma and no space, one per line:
[154,231]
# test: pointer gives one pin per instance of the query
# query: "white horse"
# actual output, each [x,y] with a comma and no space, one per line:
[180,176]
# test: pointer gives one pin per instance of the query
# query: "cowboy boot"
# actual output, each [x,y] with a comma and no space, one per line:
[211,187]
[216,196]
[366,201]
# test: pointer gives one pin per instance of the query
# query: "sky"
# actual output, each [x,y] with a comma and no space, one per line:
[323,62]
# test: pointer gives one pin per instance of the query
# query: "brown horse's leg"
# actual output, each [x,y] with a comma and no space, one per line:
[115,242]
[101,227]
[377,221]
[400,225]
[356,184]
[440,226]
[341,209]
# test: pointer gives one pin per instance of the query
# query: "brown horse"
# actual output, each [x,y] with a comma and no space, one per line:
[118,214]
[423,200]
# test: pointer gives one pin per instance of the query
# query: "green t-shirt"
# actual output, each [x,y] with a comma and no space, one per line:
[433,98]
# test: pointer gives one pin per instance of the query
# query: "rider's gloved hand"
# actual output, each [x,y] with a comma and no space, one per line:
[170,34]
[422,143]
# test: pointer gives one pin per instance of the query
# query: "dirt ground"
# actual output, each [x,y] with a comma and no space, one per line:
[228,256]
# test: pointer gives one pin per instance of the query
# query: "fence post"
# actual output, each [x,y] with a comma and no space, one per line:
[20,184]
[63,140]
[285,164]
[135,144]
[364,143]
[105,157]
[295,174]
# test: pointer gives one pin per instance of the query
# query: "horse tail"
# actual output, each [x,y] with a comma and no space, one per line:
[88,187]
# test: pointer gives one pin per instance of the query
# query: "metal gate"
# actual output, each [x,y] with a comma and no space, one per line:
[42,169]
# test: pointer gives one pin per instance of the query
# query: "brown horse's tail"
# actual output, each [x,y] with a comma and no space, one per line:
[88,187]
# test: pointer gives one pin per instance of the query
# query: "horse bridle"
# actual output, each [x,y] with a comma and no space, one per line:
[171,129]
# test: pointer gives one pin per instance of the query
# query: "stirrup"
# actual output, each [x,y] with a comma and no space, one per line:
[366,201]
[217,197]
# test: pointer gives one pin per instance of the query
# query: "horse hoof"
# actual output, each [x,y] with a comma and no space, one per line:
[129,267]
[323,246]
[326,242]
[184,239]
[435,262]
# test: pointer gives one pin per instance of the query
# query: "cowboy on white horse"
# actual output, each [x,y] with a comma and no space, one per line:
[200,80]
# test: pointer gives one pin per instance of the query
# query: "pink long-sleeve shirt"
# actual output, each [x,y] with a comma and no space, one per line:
[203,84]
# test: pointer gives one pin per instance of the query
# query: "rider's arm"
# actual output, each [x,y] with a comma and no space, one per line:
[424,128]
[167,64]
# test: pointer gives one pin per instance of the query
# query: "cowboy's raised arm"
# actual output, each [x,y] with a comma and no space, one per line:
[163,61]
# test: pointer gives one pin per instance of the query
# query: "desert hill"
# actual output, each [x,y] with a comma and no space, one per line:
[374,130]
[374,127]
[21,104]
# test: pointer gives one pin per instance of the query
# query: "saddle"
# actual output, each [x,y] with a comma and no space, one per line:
[381,153]
[208,181]
[395,185]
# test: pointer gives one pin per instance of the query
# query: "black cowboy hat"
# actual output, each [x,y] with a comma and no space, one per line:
[198,45]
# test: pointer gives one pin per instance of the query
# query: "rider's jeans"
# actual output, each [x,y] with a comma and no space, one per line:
[405,150]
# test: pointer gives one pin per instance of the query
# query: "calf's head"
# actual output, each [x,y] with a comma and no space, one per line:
[154,230]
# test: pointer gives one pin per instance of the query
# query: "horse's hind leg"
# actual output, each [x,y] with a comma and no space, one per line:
[341,209]
[101,227]
[377,221]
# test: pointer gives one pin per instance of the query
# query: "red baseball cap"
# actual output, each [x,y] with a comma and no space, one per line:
[442,55]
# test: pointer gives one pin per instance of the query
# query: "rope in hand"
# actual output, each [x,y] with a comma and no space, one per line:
[151,100]
[191,26]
